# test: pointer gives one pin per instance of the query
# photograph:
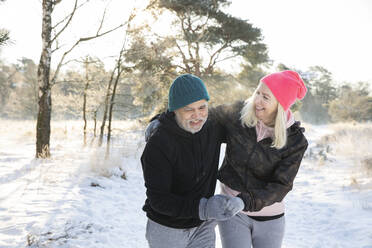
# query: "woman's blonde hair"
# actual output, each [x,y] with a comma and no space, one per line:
[248,118]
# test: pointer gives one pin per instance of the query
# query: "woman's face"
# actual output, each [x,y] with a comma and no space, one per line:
[265,105]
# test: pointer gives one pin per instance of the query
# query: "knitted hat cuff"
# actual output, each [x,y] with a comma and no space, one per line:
[185,90]
[186,100]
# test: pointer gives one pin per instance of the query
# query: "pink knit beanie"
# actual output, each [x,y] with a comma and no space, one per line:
[286,86]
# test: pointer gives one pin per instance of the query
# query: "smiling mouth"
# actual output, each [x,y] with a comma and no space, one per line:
[195,123]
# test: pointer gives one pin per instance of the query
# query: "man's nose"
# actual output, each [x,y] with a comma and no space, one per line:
[196,114]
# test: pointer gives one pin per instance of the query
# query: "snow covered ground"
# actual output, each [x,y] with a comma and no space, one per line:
[78,199]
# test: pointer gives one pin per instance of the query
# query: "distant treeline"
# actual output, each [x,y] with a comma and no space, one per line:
[202,37]
[140,96]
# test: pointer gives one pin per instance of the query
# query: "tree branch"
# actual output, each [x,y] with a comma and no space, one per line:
[67,23]
[189,45]
[228,57]
[77,43]
[183,68]
[212,59]
[99,35]
[201,26]
[102,20]
[183,57]
[69,15]
[57,43]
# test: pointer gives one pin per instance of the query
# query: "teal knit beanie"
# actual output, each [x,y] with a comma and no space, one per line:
[184,90]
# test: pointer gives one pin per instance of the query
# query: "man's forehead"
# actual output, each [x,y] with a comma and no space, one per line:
[197,104]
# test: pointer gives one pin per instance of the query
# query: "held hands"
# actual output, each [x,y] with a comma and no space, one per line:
[219,207]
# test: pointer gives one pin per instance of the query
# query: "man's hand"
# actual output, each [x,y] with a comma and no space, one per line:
[219,207]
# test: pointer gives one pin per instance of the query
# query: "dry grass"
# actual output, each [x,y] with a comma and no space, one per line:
[350,139]
[354,183]
[107,166]
[367,165]
[67,143]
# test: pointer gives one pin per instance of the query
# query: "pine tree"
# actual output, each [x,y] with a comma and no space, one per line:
[204,35]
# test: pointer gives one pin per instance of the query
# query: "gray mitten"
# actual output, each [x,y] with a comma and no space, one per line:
[218,207]
[235,205]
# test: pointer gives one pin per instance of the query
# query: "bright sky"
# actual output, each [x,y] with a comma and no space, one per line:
[336,34]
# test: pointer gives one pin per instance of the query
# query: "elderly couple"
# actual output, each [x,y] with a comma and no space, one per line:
[264,149]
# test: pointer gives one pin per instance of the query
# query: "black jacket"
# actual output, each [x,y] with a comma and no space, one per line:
[179,169]
[263,174]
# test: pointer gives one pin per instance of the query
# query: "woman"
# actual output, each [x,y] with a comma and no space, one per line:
[264,150]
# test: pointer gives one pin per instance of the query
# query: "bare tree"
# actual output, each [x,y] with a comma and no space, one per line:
[45,79]
[95,121]
[106,105]
[87,80]
[119,70]
[112,86]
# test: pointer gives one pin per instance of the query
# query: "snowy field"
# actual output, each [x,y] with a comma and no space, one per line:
[79,199]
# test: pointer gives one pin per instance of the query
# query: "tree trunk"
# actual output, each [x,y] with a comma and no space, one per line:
[107,98]
[112,102]
[85,101]
[95,126]
[95,122]
[43,75]
[84,114]
[44,81]
[106,109]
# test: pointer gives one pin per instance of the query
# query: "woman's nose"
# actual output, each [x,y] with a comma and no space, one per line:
[257,99]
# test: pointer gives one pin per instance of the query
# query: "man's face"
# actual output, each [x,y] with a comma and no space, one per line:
[193,116]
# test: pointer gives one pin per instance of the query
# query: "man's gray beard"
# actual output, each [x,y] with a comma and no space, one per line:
[179,123]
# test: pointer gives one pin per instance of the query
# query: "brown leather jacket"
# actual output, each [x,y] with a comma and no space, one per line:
[263,175]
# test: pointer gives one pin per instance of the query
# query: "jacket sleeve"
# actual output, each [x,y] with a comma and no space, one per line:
[222,116]
[280,183]
[157,171]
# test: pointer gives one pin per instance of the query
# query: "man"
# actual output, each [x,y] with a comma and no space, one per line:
[180,163]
